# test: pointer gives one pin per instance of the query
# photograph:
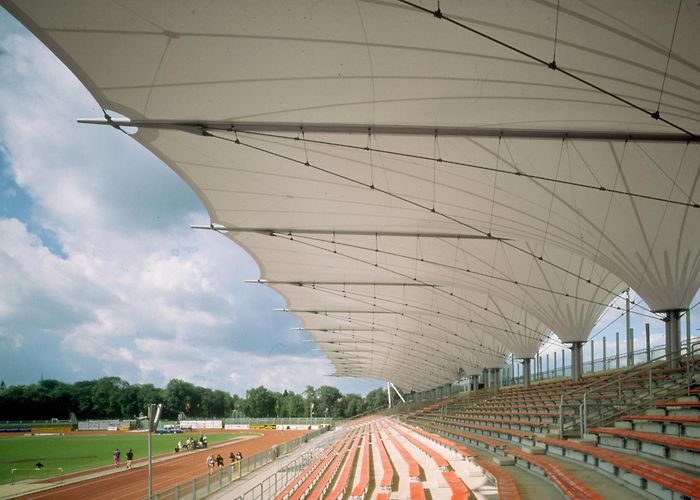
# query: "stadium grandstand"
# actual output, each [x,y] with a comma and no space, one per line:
[439,189]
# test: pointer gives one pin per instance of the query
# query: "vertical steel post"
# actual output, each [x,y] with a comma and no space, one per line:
[687,332]
[592,357]
[605,359]
[628,330]
[555,364]
[619,387]
[548,374]
[151,413]
[584,414]
[617,349]
[563,363]
[648,340]
[561,416]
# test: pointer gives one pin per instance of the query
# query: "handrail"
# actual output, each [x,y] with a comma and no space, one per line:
[691,363]
[617,372]
[617,378]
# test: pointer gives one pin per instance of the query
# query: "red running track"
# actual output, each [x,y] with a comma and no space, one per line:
[129,484]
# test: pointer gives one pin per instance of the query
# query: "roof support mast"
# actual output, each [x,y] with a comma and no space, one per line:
[199,127]
[397,391]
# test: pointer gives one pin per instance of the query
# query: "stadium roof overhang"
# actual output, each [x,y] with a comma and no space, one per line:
[430,188]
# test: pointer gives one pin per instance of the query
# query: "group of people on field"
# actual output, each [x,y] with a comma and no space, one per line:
[212,461]
[192,444]
[218,461]
[117,456]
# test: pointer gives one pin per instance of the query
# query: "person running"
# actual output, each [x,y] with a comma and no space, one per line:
[129,458]
[117,455]
[210,463]
[232,457]
[220,461]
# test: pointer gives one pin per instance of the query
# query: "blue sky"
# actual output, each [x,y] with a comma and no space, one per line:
[100,271]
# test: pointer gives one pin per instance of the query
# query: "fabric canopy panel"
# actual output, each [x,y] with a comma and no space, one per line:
[433,190]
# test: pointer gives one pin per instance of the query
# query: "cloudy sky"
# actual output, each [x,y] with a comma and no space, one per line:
[100,273]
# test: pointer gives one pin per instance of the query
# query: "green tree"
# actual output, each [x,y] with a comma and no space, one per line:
[216,404]
[377,399]
[105,397]
[330,401]
[311,401]
[13,403]
[354,405]
[129,402]
[260,402]
[149,394]
[291,405]
[181,396]
[81,396]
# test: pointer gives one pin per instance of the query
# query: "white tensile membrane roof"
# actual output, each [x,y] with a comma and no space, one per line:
[429,191]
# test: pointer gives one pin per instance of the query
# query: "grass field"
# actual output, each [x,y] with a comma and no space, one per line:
[76,452]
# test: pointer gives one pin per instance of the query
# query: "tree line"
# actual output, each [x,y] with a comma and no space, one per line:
[112,398]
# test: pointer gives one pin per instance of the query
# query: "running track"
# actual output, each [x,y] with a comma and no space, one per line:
[129,484]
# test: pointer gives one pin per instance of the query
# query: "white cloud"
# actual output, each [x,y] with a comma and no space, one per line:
[123,287]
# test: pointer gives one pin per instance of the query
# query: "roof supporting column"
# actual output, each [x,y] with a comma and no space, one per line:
[577,361]
[673,337]
[526,372]
[495,376]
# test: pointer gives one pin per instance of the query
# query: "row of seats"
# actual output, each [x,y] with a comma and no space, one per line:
[529,417]
[397,452]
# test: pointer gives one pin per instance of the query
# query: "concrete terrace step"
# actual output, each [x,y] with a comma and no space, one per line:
[681,449]
[573,484]
[643,474]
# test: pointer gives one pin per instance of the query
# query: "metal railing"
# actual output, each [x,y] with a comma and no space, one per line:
[508,378]
[619,402]
[205,484]
[274,483]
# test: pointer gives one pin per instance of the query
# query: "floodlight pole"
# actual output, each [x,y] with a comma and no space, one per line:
[154,412]
[151,411]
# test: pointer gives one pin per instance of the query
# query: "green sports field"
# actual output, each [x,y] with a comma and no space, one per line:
[75,452]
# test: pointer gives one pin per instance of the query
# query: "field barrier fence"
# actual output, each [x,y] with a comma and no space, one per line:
[206,484]
[34,475]
[274,483]
[281,421]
